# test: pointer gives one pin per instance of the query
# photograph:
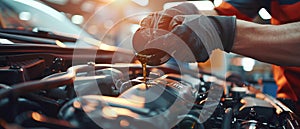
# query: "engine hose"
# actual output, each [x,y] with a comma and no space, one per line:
[226,124]
[191,121]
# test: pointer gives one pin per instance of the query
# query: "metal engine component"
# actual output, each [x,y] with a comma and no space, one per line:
[172,101]
[161,104]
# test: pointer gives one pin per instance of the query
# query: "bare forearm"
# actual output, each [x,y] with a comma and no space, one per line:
[269,43]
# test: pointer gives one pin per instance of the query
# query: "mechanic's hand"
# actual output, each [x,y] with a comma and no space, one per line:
[196,34]
[161,19]
[155,25]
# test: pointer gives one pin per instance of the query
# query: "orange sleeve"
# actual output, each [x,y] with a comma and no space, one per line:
[228,10]
[287,80]
[286,13]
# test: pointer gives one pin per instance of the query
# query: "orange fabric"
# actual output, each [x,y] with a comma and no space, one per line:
[282,14]
[228,10]
[287,80]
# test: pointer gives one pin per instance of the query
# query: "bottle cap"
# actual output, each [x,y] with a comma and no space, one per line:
[153,56]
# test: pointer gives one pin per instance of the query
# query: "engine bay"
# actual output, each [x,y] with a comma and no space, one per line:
[42,87]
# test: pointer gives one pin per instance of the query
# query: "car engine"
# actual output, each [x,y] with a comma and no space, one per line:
[41,87]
